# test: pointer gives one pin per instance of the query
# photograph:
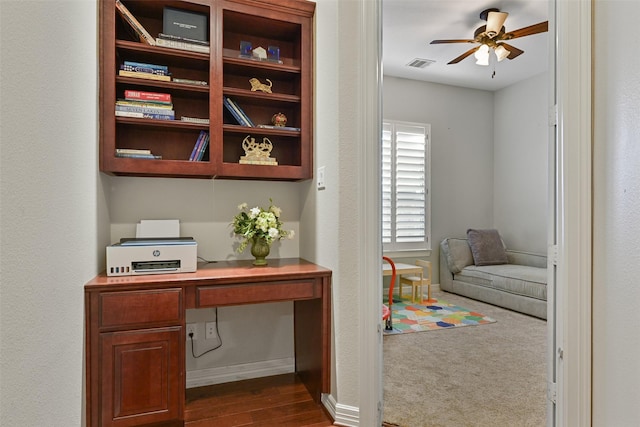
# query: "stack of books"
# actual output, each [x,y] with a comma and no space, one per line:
[197,154]
[145,105]
[141,70]
[136,153]
[238,113]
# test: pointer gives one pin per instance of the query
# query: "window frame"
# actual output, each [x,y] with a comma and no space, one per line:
[422,248]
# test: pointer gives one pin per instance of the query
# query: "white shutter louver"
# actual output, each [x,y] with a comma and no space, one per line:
[404,186]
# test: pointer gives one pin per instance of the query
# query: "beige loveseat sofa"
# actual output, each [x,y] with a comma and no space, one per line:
[519,285]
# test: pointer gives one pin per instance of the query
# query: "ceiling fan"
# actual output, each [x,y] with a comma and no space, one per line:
[492,36]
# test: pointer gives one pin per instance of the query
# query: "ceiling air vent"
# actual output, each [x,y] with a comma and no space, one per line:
[420,63]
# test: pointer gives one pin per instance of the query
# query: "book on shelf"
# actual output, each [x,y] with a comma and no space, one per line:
[137,95]
[203,148]
[142,66]
[176,44]
[190,81]
[244,119]
[147,110]
[203,121]
[150,104]
[143,34]
[279,127]
[139,156]
[200,146]
[182,39]
[145,70]
[236,116]
[132,151]
[136,115]
[139,75]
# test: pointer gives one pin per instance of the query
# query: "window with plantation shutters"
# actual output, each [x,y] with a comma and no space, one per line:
[405,186]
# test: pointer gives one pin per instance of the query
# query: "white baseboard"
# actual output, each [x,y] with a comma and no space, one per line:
[343,415]
[244,371]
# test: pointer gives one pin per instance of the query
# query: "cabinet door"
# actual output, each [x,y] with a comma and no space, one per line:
[141,376]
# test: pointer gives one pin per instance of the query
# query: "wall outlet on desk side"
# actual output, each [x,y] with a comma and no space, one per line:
[192,328]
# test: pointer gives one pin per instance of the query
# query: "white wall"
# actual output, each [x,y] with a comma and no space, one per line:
[462,130]
[53,215]
[616,199]
[488,157]
[520,162]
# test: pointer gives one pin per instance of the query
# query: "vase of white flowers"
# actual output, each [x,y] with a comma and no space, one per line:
[259,227]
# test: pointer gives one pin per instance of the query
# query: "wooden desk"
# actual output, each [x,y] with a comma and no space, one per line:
[400,270]
[135,333]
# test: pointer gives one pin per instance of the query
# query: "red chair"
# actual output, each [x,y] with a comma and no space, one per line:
[386,310]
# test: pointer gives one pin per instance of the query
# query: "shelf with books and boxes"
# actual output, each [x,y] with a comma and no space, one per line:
[169,131]
[199,70]
[267,71]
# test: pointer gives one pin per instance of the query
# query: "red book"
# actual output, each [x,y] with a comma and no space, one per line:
[147,96]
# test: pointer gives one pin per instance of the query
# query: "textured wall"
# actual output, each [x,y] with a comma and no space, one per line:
[53,216]
[520,162]
[616,195]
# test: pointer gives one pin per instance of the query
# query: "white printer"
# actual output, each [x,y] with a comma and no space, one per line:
[146,254]
[152,256]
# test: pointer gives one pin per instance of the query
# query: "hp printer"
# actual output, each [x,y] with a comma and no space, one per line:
[139,256]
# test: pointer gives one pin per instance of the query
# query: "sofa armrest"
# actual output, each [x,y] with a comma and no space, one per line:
[527,258]
[446,276]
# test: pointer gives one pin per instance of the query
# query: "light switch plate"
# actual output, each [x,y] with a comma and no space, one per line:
[320,178]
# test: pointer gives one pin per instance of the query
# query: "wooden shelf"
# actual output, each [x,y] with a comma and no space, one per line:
[287,24]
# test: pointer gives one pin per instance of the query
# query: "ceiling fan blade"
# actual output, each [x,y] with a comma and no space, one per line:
[540,27]
[453,41]
[495,21]
[514,52]
[464,55]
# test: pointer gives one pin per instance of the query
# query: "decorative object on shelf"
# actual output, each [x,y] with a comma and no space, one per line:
[260,53]
[245,49]
[273,54]
[256,85]
[279,120]
[257,153]
[260,227]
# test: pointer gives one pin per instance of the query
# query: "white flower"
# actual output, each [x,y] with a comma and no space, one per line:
[242,206]
[276,210]
[254,212]
[274,233]
[291,234]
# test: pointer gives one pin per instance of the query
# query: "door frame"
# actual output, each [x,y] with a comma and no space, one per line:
[573,167]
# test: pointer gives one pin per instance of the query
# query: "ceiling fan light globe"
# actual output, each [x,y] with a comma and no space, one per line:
[482,55]
[501,52]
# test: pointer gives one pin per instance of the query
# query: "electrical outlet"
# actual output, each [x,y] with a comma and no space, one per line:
[210,331]
[192,328]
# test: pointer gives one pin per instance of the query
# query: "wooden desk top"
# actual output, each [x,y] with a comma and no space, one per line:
[220,272]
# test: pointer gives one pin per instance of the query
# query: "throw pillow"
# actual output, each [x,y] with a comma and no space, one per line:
[487,247]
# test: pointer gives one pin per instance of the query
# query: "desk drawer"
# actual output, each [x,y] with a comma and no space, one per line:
[140,307]
[247,293]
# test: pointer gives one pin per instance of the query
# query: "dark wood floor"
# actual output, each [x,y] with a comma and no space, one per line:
[280,400]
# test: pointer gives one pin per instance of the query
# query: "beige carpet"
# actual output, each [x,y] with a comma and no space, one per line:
[489,375]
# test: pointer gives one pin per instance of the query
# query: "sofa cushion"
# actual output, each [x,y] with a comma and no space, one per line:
[515,279]
[457,253]
[487,247]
